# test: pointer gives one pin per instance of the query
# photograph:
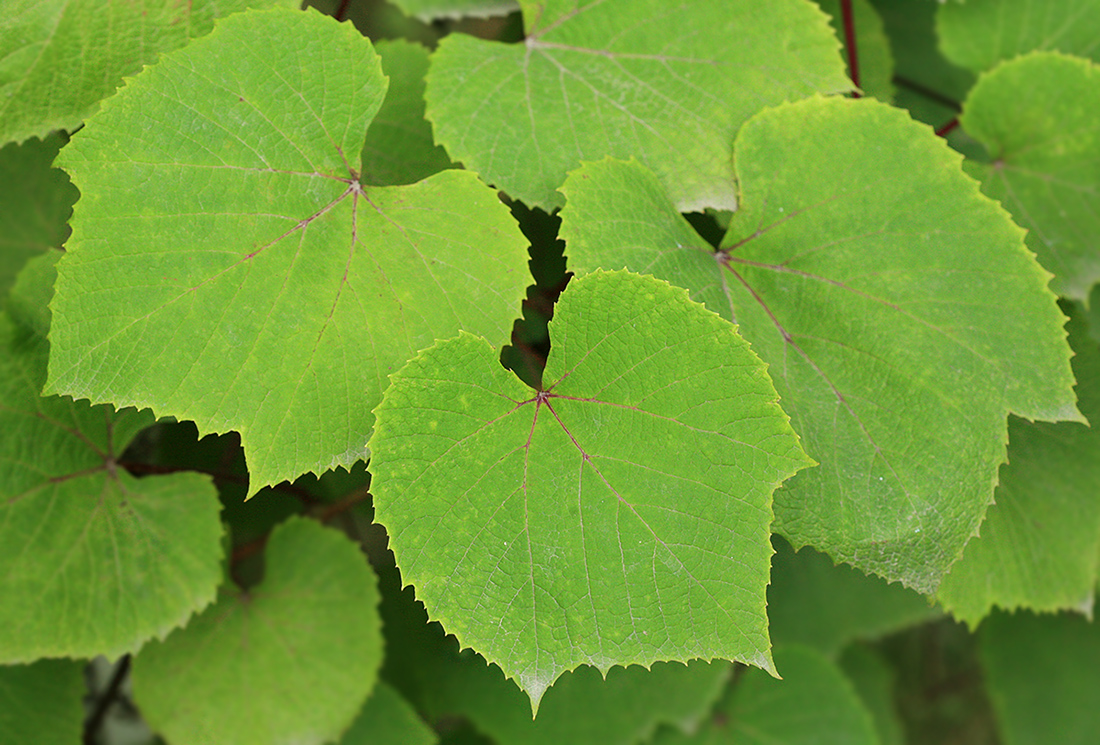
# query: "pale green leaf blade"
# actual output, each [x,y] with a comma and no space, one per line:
[59,58]
[399,148]
[814,704]
[620,516]
[815,603]
[431,10]
[388,719]
[276,292]
[1043,673]
[92,560]
[980,33]
[669,83]
[42,703]
[899,310]
[1040,543]
[35,203]
[289,660]
[876,64]
[1037,116]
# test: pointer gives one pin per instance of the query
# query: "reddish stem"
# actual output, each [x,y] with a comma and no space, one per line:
[942,131]
[850,42]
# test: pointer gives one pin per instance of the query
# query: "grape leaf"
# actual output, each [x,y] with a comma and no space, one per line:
[92,560]
[980,33]
[814,704]
[59,58]
[431,10]
[899,310]
[399,148]
[290,660]
[815,603]
[388,719]
[35,204]
[874,680]
[226,266]
[1042,673]
[1040,543]
[876,65]
[618,516]
[41,703]
[1037,117]
[670,83]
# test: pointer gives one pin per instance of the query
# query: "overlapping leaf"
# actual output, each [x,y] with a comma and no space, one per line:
[618,516]
[1040,543]
[227,266]
[92,560]
[670,83]
[388,719]
[430,10]
[59,58]
[41,703]
[980,33]
[1037,117]
[899,310]
[290,660]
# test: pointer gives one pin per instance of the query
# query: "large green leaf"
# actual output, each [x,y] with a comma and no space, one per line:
[1037,117]
[980,33]
[35,204]
[1040,543]
[227,266]
[814,704]
[618,516]
[59,58]
[670,83]
[41,703]
[290,660]
[92,560]
[1042,673]
[898,308]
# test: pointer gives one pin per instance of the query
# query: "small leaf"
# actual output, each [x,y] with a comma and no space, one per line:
[636,77]
[290,660]
[276,292]
[1040,543]
[618,516]
[42,703]
[1045,149]
[388,719]
[59,58]
[900,312]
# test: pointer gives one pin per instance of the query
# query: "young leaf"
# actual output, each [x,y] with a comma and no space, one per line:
[980,33]
[92,560]
[1045,147]
[290,660]
[59,58]
[669,84]
[227,266]
[814,704]
[1040,543]
[41,703]
[618,516]
[899,310]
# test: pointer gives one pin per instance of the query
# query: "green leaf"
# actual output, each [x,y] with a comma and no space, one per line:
[41,703]
[35,204]
[618,516]
[813,602]
[92,560]
[290,660]
[899,310]
[876,64]
[431,10]
[668,84]
[388,719]
[1037,117]
[1040,543]
[399,148]
[59,58]
[874,681]
[814,704]
[980,33]
[276,292]
[1042,673]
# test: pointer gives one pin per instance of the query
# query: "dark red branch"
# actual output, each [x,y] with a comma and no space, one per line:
[942,131]
[850,41]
